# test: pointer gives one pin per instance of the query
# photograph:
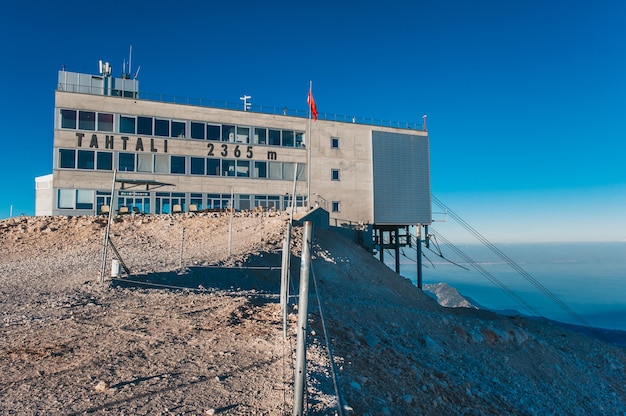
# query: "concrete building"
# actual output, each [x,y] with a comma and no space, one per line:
[182,156]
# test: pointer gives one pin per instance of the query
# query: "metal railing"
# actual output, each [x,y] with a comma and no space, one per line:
[238,106]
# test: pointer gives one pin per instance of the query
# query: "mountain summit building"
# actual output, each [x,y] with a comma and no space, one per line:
[192,156]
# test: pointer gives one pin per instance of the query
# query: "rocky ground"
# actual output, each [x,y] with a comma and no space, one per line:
[199,330]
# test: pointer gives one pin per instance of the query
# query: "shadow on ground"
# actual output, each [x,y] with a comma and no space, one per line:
[259,273]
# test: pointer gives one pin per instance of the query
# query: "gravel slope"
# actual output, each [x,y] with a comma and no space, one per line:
[214,344]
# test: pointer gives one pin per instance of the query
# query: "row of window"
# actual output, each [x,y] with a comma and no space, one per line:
[164,202]
[178,165]
[153,126]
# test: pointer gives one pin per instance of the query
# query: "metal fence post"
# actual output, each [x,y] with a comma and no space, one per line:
[303,301]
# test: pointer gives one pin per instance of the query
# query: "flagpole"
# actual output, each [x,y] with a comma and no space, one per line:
[308,152]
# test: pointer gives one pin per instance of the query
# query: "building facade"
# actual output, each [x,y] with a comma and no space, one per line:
[180,157]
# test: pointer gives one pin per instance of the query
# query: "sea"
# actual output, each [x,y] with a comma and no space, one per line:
[568,281]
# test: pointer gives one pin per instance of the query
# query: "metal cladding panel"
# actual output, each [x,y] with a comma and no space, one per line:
[401,167]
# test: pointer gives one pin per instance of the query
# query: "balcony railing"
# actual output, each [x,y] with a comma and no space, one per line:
[238,106]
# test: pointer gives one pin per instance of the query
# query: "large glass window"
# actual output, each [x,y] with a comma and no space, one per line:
[228,133]
[144,162]
[289,170]
[66,198]
[213,167]
[197,166]
[86,159]
[178,129]
[68,119]
[260,169]
[126,162]
[302,172]
[228,167]
[260,135]
[288,138]
[244,202]
[213,132]
[84,199]
[104,161]
[243,168]
[161,164]
[127,124]
[67,158]
[197,130]
[178,164]
[144,125]
[86,120]
[196,199]
[243,134]
[274,137]
[299,139]
[105,122]
[276,170]
[161,127]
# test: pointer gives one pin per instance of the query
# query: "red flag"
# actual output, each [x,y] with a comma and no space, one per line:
[312,105]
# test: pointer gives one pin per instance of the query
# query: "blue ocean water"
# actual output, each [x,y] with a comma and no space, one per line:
[590,278]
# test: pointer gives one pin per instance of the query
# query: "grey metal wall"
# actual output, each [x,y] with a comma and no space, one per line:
[401,169]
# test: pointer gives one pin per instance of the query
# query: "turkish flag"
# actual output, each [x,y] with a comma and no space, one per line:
[312,105]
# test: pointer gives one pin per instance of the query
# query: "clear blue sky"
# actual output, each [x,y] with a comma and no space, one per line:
[526,101]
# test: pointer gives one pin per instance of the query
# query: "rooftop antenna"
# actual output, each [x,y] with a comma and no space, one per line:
[130,60]
[246,103]
[137,73]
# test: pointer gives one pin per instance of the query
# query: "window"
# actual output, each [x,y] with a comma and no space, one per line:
[178,164]
[178,129]
[161,164]
[213,167]
[144,125]
[105,122]
[260,169]
[213,132]
[274,137]
[197,130]
[197,166]
[86,159]
[67,158]
[243,168]
[228,167]
[276,170]
[302,171]
[299,139]
[144,162]
[336,206]
[196,199]
[127,124]
[84,199]
[104,161]
[228,133]
[68,119]
[260,135]
[334,142]
[66,199]
[289,170]
[243,134]
[86,120]
[126,162]
[244,202]
[334,174]
[161,127]
[288,138]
